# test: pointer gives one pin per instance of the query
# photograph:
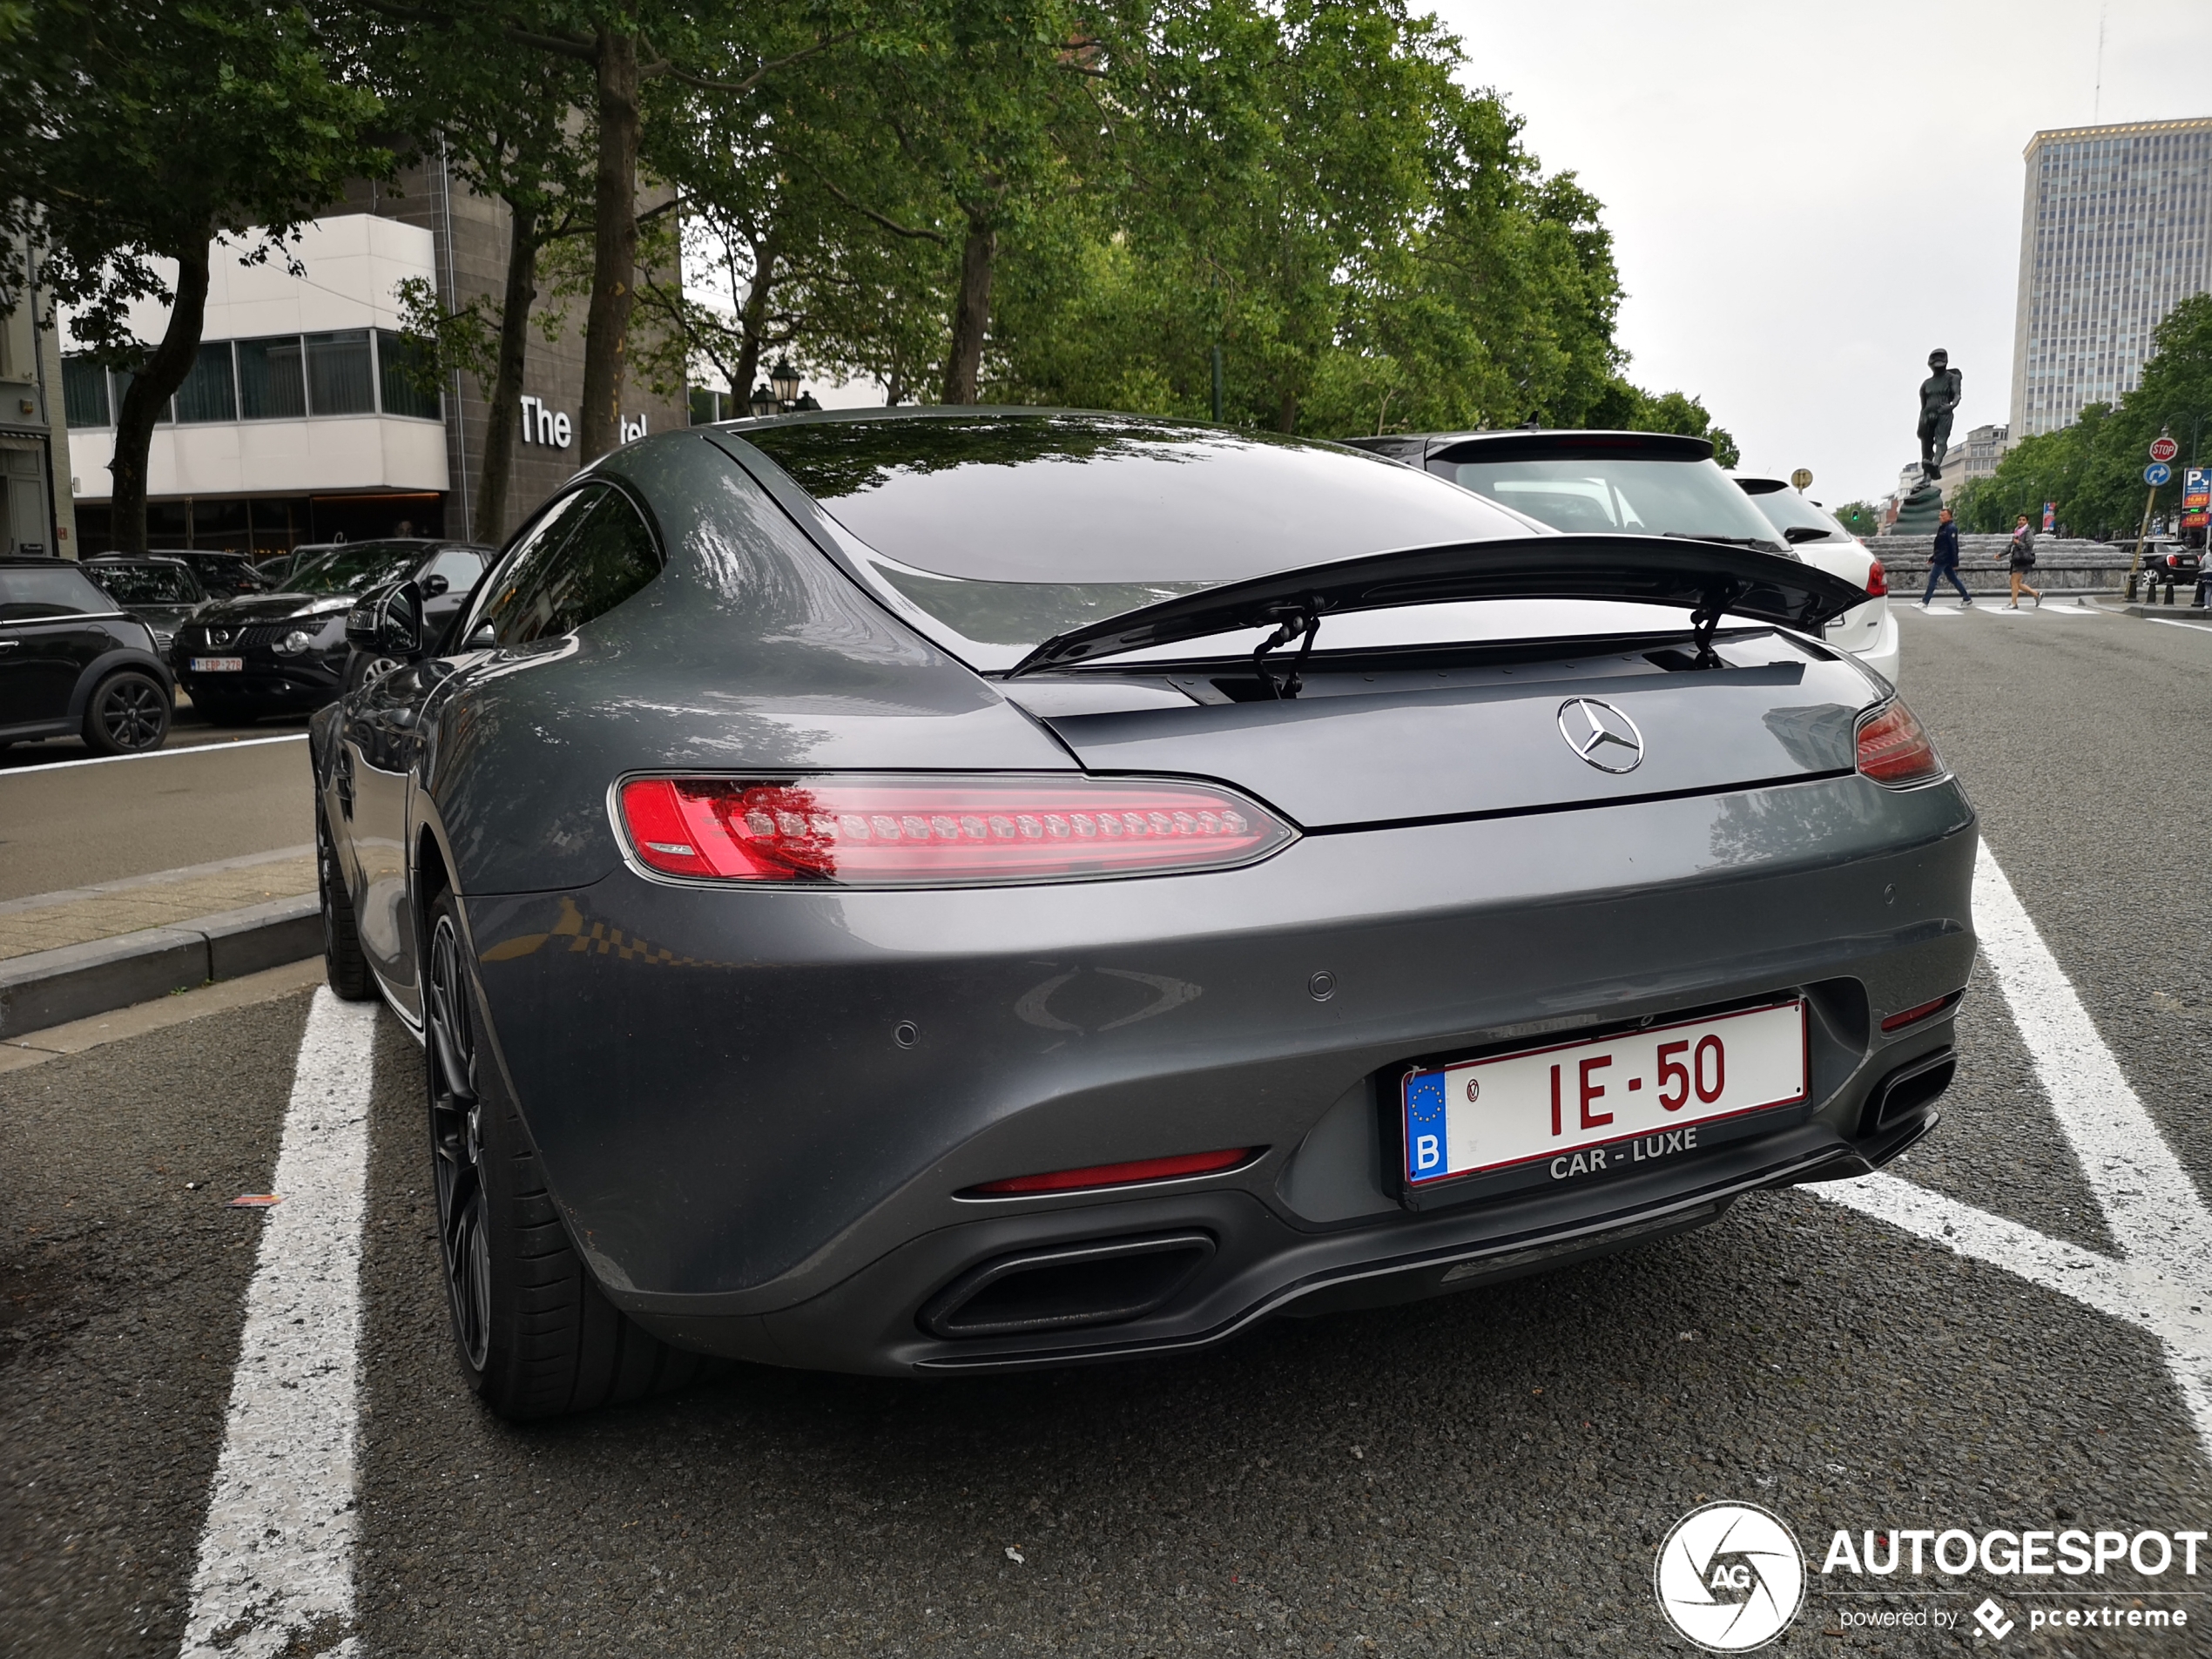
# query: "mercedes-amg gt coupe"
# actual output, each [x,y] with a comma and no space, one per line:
[940,891]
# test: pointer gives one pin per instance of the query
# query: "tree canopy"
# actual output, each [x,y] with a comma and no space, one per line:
[2093,469]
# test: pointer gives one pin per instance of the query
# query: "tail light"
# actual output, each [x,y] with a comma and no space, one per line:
[1893,750]
[861,830]
[1878,581]
[1120,1175]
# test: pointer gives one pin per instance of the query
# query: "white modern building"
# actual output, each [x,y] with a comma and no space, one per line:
[2116,231]
[307,417]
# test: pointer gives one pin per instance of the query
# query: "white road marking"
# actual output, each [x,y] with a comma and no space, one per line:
[2174,622]
[158,754]
[2162,1279]
[276,1559]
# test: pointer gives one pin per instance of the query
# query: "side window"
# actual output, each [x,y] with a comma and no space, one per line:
[26,594]
[460,566]
[561,581]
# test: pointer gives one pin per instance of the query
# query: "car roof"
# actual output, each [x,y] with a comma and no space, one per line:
[1548,443]
[136,558]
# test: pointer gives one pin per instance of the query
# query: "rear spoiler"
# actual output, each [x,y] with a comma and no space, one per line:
[1706,579]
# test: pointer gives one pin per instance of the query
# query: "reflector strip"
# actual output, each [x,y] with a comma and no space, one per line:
[1899,1022]
[857,830]
[1121,1175]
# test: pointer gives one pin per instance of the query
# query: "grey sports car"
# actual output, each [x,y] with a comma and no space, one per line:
[944,891]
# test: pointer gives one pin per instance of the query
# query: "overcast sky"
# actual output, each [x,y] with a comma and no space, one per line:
[1806,199]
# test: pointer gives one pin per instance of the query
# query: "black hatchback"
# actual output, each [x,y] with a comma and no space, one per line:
[71,660]
[285,652]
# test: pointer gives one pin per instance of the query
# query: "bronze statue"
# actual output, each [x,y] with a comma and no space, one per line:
[1939,395]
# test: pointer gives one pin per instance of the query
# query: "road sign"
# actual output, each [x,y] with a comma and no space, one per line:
[1801,479]
[2196,490]
[2164,448]
[2195,521]
[2156,473]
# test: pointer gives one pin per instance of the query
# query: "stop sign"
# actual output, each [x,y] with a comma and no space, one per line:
[2164,449]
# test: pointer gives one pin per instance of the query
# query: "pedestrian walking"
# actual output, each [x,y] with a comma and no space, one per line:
[2021,559]
[1945,562]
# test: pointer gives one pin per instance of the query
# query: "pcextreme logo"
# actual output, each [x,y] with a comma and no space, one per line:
[1730,1577]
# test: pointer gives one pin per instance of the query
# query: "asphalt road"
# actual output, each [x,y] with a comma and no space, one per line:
[64,825]
[189,730]
[1488,1474]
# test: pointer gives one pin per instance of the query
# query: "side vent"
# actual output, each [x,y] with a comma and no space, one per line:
[1104,1282]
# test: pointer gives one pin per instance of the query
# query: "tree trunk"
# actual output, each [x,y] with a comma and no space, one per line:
[1286,412]
[614,254]
[752,321]
[151,390]
[971,311]
[507,380]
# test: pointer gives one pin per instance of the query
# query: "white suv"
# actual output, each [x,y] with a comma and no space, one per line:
[1868,631]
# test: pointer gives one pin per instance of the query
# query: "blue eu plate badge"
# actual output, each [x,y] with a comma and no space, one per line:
[1427,1136]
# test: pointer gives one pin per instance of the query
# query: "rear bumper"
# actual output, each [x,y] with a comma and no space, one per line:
[755,1164]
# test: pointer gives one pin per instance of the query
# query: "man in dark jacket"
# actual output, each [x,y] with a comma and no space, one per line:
[1945,562]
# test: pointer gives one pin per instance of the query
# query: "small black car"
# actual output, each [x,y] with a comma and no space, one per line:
[158,589]
[72,661]
[272,653]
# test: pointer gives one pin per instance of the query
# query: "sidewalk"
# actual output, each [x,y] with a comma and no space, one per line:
[80,951]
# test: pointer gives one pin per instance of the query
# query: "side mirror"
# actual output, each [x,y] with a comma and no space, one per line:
[391,626]
[433,585]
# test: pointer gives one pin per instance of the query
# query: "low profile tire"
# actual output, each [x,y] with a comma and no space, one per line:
[220,710]
[535,1336]
[342,962]
[128,714]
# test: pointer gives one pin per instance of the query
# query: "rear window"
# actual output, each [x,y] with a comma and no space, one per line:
[28,594]
[1693,498]
[1009,528]
[352,569]
[1786,509]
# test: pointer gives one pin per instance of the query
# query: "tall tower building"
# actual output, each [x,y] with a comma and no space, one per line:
[2114,234]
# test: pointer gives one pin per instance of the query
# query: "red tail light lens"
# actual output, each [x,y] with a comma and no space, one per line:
[1878,581]
[876,831]
[1119,1175]
[1914,1016]
[1894,751]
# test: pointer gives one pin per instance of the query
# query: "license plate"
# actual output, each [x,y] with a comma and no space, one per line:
[1593,1106]
[218,665]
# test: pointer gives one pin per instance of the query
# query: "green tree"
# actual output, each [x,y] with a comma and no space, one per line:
[1861,518]
[140,132]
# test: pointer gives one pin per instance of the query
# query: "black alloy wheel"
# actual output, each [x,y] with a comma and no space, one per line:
[456,1139]
[128,715]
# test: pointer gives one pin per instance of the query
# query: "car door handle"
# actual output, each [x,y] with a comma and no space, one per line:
[9,644]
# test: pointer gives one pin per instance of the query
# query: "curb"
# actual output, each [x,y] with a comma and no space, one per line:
[54,986]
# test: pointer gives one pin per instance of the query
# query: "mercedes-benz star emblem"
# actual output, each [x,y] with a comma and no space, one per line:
[1601,734]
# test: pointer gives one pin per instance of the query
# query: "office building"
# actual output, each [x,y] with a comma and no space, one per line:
[2114,234]
[1975,456]
[305,418]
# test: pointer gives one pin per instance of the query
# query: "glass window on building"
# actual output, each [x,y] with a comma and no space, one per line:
[84,392]
[209,392]
[123,377]
[271,384]
[341,379]
[409,378]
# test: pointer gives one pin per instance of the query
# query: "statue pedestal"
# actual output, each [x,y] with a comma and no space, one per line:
[1916,513]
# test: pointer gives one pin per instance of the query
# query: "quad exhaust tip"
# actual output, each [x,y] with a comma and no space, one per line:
[1107,1281]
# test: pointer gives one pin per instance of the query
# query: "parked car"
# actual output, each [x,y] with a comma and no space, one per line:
[942,892]
[222,574]
[1649,483]
[1817,537]
[159,591]
[286,651]
[72,660]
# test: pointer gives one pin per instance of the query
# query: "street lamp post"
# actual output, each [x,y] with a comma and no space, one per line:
[763,402]
[784,379]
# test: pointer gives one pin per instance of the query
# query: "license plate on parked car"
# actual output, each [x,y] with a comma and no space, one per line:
[1571,1101]
[218,665]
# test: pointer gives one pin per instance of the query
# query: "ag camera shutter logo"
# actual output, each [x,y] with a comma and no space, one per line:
[1730,1577]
